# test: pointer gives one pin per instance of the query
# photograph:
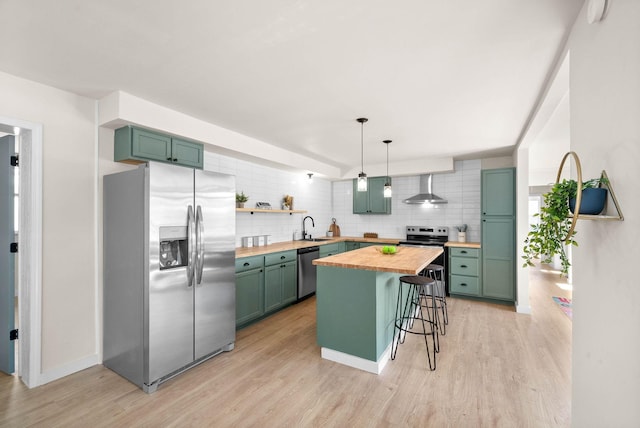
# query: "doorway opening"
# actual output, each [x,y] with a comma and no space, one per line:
[28,271]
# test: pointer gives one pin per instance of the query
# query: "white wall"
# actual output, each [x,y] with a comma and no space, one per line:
[605,132]
[461,188]
[266,184]
[68,230]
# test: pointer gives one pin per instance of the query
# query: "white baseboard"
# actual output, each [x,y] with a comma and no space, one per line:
[67,369]
[374,367]
[523,309]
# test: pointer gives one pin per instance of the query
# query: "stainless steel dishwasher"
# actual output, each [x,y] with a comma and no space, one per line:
[307,271]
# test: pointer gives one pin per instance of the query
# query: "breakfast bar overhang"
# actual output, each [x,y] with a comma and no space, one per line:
[355,302]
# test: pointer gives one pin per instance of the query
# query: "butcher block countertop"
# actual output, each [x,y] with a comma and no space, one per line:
[408,260]
[294,245]
[462,244]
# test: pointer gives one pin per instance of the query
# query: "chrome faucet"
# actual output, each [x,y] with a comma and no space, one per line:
[304,231]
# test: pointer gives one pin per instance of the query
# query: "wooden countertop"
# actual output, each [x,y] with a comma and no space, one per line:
[408,260]
[463,244]
[294,245]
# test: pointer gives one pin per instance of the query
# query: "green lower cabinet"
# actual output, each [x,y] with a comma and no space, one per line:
[332,249]
[249,289]
[280,285]
[350,246]
[464,271]
[249,296]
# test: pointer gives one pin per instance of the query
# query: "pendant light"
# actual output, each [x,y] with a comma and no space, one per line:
[362,177]
[387,184]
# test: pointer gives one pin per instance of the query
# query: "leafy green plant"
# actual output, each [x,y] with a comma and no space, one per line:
[547,238]
[241,197]
[550,236]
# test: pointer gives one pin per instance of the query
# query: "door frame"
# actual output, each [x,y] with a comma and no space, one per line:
[30,245]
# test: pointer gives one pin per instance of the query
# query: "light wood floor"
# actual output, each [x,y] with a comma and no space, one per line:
[495,368]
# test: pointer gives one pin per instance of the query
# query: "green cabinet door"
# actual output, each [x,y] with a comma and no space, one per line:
[249,296]
[187,153]
[378,204]
[498,255]
[272,287]
[372,201]
[498,191]
[150,145]
[289,282]
[280,285]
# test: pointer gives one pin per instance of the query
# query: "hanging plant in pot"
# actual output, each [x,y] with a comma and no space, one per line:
[555,229]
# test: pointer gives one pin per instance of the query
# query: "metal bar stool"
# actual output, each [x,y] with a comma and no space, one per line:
[409,308]
[436,272]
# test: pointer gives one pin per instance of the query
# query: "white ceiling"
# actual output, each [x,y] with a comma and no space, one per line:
[439,78]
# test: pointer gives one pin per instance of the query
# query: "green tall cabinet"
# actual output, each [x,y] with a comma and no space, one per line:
[372,201]
[498,234]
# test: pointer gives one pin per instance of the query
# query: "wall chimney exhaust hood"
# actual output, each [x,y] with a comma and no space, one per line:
[426,195]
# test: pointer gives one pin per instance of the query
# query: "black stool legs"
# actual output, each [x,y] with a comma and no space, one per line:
[409,309]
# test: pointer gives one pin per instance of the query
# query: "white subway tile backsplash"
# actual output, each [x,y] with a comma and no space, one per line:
[324,199]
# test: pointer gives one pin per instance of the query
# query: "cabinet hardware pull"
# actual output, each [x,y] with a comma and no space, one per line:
[463,266]
[463,252]
[464,284]
[246,264]
[282,257]
[168,159]
[175,159]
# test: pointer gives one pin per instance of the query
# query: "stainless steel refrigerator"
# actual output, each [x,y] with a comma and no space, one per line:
[169,270]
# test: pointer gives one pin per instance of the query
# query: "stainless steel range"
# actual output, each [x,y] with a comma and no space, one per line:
[426,236]
[429,236]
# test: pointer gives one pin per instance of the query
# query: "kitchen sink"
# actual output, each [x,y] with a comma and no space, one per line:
[317,239]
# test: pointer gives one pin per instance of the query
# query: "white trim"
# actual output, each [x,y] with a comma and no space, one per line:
[70,368]
[523,309]
[374,367]
[30,243]
[97,253]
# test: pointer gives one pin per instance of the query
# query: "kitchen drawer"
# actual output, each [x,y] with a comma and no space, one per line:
[464,285]
[464,252]
[330,249]
[281,257]
[464,266]
[247,263]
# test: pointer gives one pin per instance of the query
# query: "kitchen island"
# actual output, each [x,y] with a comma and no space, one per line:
[356,302]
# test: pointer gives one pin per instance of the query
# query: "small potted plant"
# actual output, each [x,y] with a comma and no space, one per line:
[462,233]
[241,198]
[593,198]
[554,233]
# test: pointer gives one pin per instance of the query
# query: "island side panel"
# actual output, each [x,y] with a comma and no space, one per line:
[346,311]
[387,287]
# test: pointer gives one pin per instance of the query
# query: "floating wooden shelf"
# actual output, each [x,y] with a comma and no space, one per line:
[260,210]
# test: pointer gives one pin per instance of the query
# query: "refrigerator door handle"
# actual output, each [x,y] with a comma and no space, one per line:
[191,246]
[199,245]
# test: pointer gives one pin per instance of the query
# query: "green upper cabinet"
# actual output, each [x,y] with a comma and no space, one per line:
[372,201]
[499,199]
[136,145]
